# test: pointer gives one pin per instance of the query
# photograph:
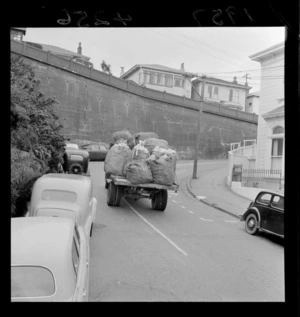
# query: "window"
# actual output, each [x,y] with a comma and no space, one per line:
[236,96]
[140,78]
[216,92]
[160,78]
[152,78]
[178,81]
[31,281]
[278,202]
[75,255]
[59,195]
[168,81]
[277,147]
[278,130]
[230,94]
[209,90]
[250,103]
[146,77]
[264,198]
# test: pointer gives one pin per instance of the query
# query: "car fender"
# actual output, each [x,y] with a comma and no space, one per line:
[252,210]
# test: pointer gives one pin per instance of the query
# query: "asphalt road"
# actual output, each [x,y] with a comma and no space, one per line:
[189,252]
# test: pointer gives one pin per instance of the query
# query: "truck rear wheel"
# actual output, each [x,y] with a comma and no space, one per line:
[111,194]
[119,194]
[160,199]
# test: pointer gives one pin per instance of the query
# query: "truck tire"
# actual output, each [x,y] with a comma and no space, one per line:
[160,200]
[76,169]
[106,182]
[119,194]
[111,194]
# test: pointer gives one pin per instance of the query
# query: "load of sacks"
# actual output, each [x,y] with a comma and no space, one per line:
[149,160]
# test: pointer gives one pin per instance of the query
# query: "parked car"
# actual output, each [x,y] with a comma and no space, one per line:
[97,151]
[49,260]
[72,146]
[265,213]
[65,195]
[76,161]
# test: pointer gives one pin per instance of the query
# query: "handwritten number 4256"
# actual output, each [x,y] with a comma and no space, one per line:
[84,16]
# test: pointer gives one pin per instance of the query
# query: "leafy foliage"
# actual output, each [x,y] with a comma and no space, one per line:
[105,67]
[35,130]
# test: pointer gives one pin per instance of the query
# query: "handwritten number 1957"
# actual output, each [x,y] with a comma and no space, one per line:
[231,12]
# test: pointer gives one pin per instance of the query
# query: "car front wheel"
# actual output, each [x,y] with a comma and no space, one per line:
[251,224]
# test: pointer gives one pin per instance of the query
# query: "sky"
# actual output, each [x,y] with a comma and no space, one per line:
[216,52]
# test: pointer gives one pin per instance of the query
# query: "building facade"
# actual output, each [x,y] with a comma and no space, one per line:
[61,52]
[229,94]
[270,132]
[162,78]
[17,33]
[252,103]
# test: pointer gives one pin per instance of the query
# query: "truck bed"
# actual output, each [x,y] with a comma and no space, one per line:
[121,180]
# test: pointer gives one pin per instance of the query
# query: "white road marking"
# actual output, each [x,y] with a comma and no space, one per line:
[230,220]
[154,228]
[190,211]
[201,197]
[182,207]
[205,219]
[172,193]
[174,201]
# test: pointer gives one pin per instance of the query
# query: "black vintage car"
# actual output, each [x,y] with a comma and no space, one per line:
[76,161]
[265,213]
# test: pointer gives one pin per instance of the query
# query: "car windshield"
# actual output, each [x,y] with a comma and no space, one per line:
[59,195]
[31,281]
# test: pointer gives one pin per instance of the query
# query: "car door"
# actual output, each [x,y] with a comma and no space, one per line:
[82,266]
[263,202]
[275,221]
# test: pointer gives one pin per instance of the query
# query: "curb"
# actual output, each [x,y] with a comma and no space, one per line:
[213,205]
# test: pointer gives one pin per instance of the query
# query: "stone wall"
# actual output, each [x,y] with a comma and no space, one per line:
[92,105]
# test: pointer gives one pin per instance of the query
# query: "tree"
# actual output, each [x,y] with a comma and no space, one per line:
[105,67]
[37,141]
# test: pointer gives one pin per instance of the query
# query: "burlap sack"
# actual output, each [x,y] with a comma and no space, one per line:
[123,134]
[163,170]
[141,136]
[116,158]
[140,152]
[151,143]
[138,172]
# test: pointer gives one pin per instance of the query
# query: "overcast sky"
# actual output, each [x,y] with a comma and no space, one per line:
[218,52]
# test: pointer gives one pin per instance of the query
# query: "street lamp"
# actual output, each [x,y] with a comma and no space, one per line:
[198,126]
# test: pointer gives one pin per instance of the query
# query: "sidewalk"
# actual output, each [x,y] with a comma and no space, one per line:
[212,190]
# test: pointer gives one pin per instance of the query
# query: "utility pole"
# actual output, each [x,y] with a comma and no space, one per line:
[246,76]
[198,127]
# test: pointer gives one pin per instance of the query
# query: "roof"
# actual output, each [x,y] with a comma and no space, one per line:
[34,240]
[45,242]
[58,50]
[256,94]
[221,81]
[64,181]
[275,49]
[275,112]
[156,67]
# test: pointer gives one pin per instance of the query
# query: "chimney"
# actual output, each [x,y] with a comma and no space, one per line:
[122,71]
[79,49]
[234,80]
[182,67]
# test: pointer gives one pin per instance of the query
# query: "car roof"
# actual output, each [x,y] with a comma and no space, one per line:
[273,192]
[64,181]
[35,240]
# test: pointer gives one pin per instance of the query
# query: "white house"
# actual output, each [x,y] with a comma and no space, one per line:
[252,103]
[162,78]
[270,132]
[229,94]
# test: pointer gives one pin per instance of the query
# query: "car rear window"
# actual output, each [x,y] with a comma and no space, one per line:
[31,281]
[264,198]
[59,195]
[278,202]
[76,157]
